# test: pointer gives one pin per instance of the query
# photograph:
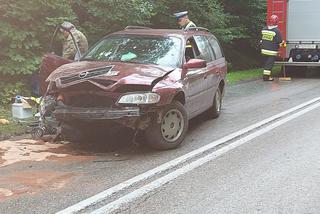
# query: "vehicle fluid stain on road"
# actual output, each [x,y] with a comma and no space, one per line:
[26,150]
[275,86]
[32,182]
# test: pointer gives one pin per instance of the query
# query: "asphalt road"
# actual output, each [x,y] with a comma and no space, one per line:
[276,172]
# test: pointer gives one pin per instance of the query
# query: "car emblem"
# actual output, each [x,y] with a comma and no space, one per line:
[83,74]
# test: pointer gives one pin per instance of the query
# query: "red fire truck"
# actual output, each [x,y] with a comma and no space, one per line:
[299,24]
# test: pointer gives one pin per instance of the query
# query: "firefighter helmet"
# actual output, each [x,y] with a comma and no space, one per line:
[274,20]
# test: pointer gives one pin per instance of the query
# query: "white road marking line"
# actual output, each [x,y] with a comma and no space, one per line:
[130,197]
[173,163]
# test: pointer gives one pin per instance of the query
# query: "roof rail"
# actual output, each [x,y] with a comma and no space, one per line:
[136,27]
[197,29]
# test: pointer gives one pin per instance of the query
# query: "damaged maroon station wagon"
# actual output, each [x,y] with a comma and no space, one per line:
[151,80]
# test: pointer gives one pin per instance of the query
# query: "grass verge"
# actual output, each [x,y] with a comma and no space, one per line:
[245,75]
[14,128]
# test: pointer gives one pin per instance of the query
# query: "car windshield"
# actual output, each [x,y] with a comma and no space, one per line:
[163,51]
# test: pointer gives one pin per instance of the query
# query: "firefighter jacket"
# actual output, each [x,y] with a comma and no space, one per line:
[271,39]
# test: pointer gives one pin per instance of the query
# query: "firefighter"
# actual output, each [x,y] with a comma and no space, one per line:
[270,43]
[183,20]
[69,49]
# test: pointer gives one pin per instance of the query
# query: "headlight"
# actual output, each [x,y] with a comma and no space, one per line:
[141,98]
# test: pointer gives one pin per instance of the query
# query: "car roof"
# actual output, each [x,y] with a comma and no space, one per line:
[144,31]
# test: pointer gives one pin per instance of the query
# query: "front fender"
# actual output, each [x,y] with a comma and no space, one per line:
[168,93]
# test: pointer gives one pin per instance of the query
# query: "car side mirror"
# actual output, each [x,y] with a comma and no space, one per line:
[195,63]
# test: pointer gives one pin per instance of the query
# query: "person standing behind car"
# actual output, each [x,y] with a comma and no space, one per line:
[183,20]
[69,50]
[270,43]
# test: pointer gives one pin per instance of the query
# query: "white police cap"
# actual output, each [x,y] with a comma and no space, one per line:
[181,14]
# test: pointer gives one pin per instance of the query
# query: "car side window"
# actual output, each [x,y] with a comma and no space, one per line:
[189,52]
[216,47]
[206,52]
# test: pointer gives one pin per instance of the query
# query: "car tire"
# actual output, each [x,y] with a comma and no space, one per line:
[172,129]
[214,111]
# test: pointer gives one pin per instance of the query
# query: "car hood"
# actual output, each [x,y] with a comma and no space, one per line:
[115,72]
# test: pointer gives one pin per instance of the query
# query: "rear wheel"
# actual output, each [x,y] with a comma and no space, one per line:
[215,109]
[170,132]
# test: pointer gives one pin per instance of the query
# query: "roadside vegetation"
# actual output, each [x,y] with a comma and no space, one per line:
[14,128]
[246,75]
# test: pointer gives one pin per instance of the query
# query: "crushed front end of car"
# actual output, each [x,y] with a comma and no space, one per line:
[88,92]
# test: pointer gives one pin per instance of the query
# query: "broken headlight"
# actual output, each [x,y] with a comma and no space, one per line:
[139,98]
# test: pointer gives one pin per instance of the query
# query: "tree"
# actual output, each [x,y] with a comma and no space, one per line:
[25,31]
[205,13]
[101,17]
[250,18]
[26,26]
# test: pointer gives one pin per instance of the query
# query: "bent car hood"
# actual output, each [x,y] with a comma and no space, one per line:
[121,72]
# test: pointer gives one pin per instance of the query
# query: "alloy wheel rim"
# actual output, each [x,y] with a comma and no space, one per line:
[172,125]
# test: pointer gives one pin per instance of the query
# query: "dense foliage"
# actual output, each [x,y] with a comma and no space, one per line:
[26,26]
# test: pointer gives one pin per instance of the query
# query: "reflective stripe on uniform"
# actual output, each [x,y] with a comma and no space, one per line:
[266,72]
[269,53]
[268,32]
[268,35]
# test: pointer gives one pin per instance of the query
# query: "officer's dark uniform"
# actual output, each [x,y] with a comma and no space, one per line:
[271,40]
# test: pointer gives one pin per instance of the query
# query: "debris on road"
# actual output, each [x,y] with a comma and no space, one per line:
[26,150]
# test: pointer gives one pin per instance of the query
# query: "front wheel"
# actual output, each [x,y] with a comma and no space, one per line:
[172,129]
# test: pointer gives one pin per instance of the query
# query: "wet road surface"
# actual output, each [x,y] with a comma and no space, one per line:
[47,178]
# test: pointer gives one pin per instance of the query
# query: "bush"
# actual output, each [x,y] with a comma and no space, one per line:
[9,91]
[25,32]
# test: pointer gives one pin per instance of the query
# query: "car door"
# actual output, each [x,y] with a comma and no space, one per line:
[194,81]
[211,79]
[50,62]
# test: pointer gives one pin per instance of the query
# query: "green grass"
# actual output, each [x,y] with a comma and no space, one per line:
[237,76]
[14,128]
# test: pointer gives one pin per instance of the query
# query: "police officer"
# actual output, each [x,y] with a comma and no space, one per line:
[69,49]
[270,43]
[183,20]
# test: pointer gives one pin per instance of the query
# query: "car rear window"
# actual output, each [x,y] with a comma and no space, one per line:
[216,47]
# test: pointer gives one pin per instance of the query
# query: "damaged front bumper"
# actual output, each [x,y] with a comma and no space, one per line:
[68,113]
